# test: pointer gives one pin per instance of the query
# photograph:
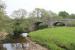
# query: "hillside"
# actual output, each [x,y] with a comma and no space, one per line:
[58,38]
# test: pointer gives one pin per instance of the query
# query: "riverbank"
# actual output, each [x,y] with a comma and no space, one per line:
[58,38]
[29,45]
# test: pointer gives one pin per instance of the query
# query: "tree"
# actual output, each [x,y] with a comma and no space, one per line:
[47,15]
[20,13]
[72,16]
[2,5]
[63,14]
[37,12]
[2,8]
[4,19]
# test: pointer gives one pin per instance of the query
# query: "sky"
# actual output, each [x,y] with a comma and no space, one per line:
[29,5]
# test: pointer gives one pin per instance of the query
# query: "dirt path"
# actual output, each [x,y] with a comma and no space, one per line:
[33,46]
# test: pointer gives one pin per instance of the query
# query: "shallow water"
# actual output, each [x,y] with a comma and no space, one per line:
[17,46]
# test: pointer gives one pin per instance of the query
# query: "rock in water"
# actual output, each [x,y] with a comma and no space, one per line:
[24,34]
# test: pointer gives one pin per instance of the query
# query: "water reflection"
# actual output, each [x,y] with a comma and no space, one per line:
[2,48]
[17,46]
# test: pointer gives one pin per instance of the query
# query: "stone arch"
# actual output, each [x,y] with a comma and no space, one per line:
[59,23]
[36,25]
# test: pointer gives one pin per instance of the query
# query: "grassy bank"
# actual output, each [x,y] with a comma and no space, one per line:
[59,38]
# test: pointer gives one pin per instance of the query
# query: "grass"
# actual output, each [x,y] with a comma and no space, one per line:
[58,38]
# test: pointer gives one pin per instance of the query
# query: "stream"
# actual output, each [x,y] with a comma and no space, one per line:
[17,46]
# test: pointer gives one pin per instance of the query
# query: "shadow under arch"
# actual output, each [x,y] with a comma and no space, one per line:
[36,25]
[59,24]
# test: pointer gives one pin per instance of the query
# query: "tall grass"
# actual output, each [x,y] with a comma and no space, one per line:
[59,38]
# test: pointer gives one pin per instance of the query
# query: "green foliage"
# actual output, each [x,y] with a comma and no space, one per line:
[63,14]
[72,16]
[4,19]
[59,38]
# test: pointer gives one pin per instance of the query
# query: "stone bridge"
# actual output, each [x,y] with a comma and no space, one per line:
[66,22]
